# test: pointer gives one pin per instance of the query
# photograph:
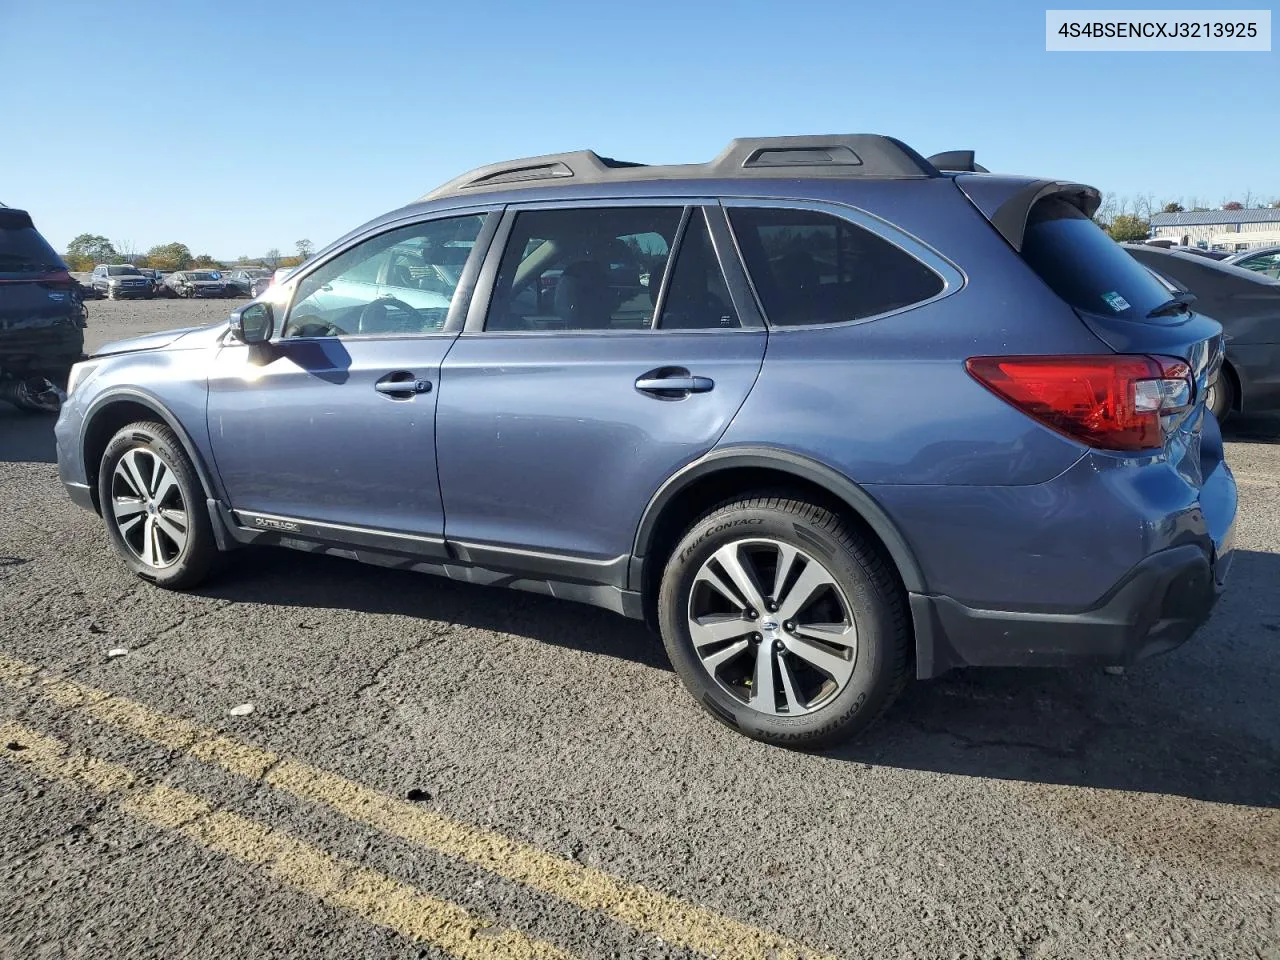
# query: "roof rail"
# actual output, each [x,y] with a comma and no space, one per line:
[836,155]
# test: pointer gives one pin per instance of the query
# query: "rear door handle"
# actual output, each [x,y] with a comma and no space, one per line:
[665,386]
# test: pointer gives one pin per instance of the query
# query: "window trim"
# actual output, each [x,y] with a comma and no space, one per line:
[463,294]
[953,278]
[750,319]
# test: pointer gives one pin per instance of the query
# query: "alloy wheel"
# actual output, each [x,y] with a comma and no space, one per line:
[772,627]
[148,508]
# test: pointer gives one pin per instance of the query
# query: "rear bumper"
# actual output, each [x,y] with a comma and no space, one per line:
[1156,607]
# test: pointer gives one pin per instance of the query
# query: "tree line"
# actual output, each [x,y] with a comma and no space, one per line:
[90,249]
[1128,219]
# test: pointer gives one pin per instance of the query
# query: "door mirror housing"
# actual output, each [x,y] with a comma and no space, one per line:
[253,323]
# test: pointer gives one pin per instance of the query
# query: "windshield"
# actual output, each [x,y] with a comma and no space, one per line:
[1085,267]
[204,275]
[123,271]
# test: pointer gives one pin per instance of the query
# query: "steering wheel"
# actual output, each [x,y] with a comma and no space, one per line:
[311,326]
[377,310]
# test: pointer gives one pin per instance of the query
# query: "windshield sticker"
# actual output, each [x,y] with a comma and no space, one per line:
[1115,301]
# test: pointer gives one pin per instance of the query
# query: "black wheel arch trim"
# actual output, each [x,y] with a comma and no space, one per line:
[784,461]
[154,404]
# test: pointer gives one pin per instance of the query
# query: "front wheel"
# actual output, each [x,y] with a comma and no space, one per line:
[154,508]
[785,622]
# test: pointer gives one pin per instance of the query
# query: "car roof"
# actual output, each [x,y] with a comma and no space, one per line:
[1246,254]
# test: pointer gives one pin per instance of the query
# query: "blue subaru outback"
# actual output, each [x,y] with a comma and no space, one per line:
[824,412]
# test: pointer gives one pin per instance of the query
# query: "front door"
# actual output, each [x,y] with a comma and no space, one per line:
[333,421]
[597,372]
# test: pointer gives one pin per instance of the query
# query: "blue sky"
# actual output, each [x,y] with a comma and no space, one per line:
[235,127]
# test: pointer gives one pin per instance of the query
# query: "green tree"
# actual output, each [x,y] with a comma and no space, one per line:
[169,256]
[1173,207]
[305,249]
[1128,228]
[204,262]
[88,250]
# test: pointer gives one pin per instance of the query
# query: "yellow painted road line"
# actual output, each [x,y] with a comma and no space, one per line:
[640,908]
[340,883]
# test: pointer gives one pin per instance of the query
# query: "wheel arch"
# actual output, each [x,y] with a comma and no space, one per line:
[117,409]
[726,473]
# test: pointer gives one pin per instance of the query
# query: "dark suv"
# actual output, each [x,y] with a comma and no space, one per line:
[42,316]
[868,415]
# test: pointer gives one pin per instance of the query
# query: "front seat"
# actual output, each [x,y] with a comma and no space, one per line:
[583,299]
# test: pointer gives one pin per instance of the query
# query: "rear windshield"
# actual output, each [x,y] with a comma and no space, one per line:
[1085,267]
[23,250]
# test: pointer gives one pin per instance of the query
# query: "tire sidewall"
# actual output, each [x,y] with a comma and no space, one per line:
[862,699]
[197,555]
[1223,397]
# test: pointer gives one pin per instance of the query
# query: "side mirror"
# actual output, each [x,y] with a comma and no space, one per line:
[253,323]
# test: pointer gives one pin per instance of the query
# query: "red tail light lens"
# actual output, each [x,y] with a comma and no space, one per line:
[1112,402]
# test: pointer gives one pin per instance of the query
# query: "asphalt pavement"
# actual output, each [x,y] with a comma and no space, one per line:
[432,769]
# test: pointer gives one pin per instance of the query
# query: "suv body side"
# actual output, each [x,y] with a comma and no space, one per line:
[978,505]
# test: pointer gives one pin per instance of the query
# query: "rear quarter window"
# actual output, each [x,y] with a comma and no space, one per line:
[811,268]
[1085,267]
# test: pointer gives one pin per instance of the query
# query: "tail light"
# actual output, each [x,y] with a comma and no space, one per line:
[1112,402]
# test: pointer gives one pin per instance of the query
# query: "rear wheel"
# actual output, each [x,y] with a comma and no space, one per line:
[153,505]
[1221,396]
[784,622]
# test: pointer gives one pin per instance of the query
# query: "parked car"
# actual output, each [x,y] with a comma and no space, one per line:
[867,419]
[42,316]
[242,281]
[118,281]
[1247,304]
[197,283]
[152,276]
[1165,243]
[1264,260]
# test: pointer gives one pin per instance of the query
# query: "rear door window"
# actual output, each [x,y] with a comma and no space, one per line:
[810,267]
[585,268]
[1085,267]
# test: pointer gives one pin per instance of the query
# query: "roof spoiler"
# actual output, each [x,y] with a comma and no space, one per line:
[957,161]
[1007,201]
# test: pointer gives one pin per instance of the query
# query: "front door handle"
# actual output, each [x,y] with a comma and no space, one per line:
[402,384]
[669,384]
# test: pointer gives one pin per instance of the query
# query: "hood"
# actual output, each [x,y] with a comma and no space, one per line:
[188,338]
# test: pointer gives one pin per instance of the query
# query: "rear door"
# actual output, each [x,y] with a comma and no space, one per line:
[605,349]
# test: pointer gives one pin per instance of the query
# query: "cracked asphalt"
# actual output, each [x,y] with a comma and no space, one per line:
[434,769]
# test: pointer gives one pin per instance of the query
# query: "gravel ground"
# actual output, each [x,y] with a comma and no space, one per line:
[418,746]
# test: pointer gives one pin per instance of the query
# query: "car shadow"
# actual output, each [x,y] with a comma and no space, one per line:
[1201,722]
[26,437]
